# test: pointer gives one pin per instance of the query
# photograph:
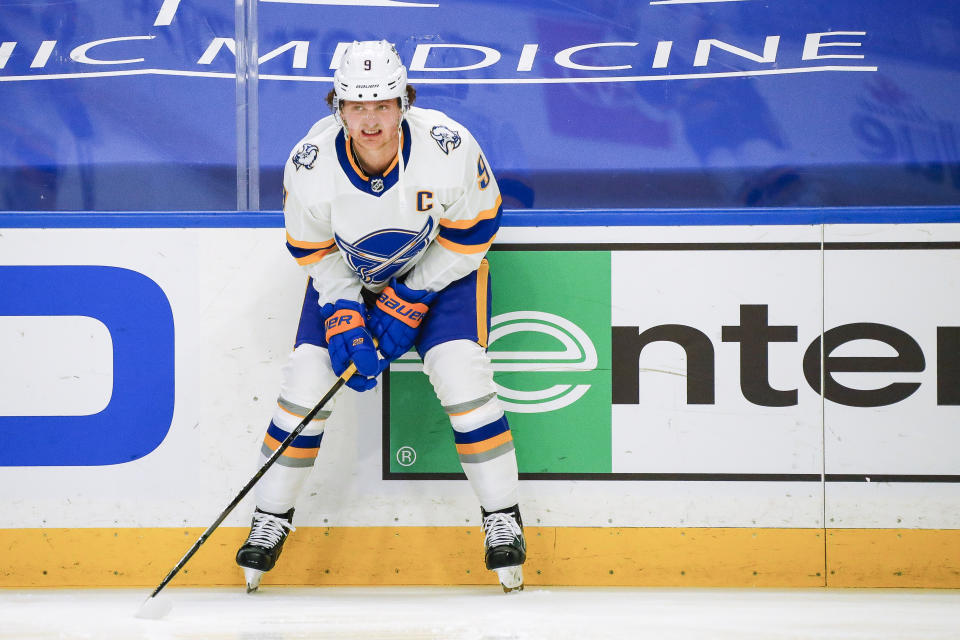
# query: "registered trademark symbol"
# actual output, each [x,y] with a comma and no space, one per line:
[406,456]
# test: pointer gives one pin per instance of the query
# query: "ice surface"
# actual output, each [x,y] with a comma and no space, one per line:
[484,613]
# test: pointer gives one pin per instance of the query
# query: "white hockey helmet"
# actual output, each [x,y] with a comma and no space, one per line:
[370,70]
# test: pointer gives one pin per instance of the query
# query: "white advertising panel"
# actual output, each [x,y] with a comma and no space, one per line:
[892,407]
[721,415]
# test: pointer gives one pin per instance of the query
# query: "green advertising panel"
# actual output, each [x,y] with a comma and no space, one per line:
[550,349]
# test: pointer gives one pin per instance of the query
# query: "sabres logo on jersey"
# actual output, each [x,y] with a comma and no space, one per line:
[306,157]
[377,256]
[446,138]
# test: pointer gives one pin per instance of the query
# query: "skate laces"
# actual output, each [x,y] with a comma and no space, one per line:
[268,530]
[501,528]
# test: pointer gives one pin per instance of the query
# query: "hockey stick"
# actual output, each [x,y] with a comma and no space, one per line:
[154,608]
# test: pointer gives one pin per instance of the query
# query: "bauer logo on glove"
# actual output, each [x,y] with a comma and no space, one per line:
[395,321]
[410,314]
[343,320]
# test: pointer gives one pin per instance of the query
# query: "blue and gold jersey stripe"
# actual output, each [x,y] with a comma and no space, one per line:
[487,214]
[474,235]
[309,252]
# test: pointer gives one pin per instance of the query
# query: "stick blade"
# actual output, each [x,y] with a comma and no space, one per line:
[154,608]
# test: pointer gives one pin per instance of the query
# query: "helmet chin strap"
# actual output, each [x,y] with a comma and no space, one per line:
[400,181]
[404,107]
[338,115]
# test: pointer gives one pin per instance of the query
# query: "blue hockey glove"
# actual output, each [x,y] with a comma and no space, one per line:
[395,321]
[348,340]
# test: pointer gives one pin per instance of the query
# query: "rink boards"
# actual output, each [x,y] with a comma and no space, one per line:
[663,386]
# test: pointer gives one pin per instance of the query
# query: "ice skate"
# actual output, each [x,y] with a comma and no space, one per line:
[506,549]
[260,552]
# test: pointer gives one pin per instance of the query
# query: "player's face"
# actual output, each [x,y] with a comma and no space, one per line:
[372,125]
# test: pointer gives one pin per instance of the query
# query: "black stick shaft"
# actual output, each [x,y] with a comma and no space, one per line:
[259,474]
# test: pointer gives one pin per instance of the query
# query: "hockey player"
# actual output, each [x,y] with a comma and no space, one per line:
[390,209]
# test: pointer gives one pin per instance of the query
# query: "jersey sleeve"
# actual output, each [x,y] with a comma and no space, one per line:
[311,243]
[466,230]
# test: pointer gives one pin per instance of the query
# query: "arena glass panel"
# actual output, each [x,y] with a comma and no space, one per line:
[598,105]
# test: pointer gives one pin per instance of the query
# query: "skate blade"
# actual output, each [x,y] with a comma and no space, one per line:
[253,578]
[511,578]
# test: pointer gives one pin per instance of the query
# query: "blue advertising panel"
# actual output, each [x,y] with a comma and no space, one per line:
[663,103]
[91,118]
[670,103]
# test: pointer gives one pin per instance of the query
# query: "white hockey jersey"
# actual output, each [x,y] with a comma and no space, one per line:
[432,219]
